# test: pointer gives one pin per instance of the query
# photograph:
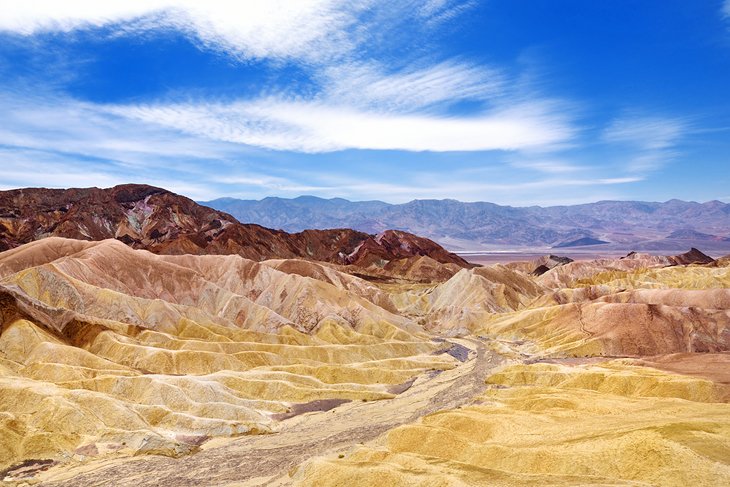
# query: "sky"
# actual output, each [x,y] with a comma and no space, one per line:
[518,102]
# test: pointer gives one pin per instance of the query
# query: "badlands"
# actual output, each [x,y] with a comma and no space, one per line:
[144,344]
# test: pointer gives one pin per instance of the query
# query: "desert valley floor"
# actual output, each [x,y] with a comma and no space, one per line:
[122,367]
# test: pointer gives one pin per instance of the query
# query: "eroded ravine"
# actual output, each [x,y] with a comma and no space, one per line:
[267,459]
[153,355]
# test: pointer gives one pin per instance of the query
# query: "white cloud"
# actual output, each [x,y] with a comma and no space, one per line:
[61,124]
[318,127]
[361,104]
[648,133]
[437,11]
[548,166]
[268,183]
[23,167]
[434,7]
[366,85]
[57,141]
[307,29]
[726,9]
[650,140]
[650,161]
[65,143]
[60,142]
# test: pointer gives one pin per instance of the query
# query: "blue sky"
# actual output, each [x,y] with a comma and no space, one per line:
[517,102]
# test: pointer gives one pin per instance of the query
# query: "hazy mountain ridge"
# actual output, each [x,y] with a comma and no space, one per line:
[673,224]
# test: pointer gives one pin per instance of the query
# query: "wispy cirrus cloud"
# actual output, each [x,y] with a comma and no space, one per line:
[313,31]
[61,124]
[304,29]
[321,127]
[367,85]
[648,133]
[26,167]
[650,141]
[438,11]
[547,166]
[76,144]
[361,102]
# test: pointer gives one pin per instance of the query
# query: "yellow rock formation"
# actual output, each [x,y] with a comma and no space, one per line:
[547,424]
[155,354]
[617,369]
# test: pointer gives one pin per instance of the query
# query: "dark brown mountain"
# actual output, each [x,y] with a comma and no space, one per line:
[145,217]
[694,256]
[396,244]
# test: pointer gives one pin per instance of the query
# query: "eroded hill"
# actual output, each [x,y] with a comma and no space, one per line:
[121,364]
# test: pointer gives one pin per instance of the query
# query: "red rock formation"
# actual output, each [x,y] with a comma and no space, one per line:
[395,244]
[145,217]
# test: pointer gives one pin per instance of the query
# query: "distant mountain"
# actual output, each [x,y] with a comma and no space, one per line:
[302,213]
[688,233]
[154,219]
[671,225]
[581,242]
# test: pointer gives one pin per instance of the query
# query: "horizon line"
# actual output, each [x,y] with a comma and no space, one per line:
[203,201]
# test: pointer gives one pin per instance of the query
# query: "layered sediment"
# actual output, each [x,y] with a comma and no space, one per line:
[393,369]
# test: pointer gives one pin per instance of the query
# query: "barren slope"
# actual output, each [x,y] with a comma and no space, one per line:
[108,349]
[603,424]
[345,375]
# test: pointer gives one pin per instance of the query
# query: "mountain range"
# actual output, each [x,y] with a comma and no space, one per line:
[154,219]
[462,226]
